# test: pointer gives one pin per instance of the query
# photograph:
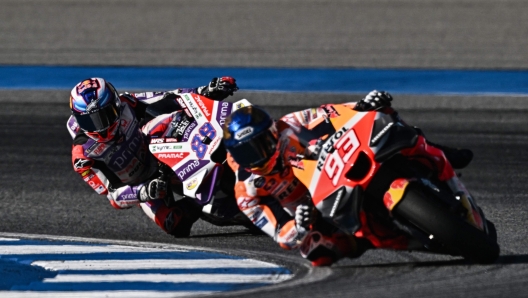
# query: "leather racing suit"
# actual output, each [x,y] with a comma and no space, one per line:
[119,168]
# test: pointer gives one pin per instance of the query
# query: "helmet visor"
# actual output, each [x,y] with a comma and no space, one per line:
[98,120]
[256,151]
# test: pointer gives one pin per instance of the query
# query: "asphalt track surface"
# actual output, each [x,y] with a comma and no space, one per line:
[40,194]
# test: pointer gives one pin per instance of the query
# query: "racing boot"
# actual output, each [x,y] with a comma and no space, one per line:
[458,158]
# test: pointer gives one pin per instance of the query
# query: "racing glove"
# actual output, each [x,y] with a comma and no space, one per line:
[155,189]
[375,100]
[303,218]
[219,88]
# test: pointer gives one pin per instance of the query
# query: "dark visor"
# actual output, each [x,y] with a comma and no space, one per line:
[99,120]
[255,152]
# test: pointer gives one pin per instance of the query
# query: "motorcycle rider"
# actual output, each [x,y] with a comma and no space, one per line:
[262,152]
[110,151]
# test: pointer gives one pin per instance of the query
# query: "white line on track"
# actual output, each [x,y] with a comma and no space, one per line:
[62,268]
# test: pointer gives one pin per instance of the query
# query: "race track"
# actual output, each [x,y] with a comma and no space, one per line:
[40,193]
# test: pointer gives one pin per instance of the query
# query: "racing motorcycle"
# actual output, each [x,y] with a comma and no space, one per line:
[362,183]
[193,155]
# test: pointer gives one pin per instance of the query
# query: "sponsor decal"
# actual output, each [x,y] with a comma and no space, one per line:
[74,126]
[279,187]
[239,105]
[269,185]
[83,174]
[187,133]
[130,150]
[244,133]
[259,182]
[202,106]
[182,126]
[81,163]
[100,189]
[191,184]
[87,84]
[297,163]
[387,200]
[328,147]
[97,148]
[288,191]
[181,102]
[164,148]
[190,168]
[100,149]
[261,222]
[246,202]
[330,111]
[336,202]
[254,215]
[225,109]
[178,155]
[191,105]
[157,140]
[88,178]
[92,105]
[213,145]
[381,133]
[126,197]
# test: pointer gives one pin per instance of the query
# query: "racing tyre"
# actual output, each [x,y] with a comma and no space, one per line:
[431,216]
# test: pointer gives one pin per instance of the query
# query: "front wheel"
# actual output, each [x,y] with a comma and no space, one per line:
[431,216]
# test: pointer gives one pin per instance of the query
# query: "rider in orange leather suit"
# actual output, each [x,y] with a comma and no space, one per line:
[262,153]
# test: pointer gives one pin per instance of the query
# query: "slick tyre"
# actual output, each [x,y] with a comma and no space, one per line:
[431,216]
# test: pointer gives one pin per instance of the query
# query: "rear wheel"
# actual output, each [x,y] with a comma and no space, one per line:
[431,216]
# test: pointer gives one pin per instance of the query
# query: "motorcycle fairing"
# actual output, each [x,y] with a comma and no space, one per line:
[342,208]
[347,160]
[191,159]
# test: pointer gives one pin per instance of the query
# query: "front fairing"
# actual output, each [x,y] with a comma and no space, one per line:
[188,149]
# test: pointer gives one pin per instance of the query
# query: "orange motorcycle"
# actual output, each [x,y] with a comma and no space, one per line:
[377,178]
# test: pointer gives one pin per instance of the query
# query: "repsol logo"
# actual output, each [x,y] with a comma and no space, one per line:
[244,133]
[328,147]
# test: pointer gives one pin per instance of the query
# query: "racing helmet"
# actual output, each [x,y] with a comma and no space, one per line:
[250,136]
[94,103]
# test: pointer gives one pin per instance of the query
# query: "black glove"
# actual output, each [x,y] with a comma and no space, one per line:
[304,217]
[375,100]
[219,88]
[153,190]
